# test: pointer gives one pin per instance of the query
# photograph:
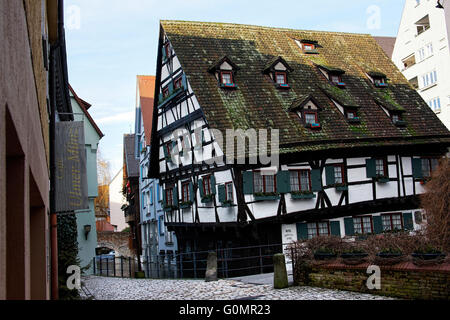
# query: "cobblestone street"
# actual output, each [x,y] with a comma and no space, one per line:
[146,289]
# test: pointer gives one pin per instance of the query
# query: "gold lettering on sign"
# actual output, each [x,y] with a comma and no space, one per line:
[73,150]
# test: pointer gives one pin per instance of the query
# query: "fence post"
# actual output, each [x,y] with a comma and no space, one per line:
[129,267]
[107,266]
[261,268]
[114,264]
[195,266]
[101,271]
[121,266]
[181,265]
[157,266]
[94,265]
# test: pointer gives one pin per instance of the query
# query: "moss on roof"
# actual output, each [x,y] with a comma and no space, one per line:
[257,103]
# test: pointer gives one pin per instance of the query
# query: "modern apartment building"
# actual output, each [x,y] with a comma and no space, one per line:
[422,53]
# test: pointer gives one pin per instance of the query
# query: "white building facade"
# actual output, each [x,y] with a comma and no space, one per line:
[422,53]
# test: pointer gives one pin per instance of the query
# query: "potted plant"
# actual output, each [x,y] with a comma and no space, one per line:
[390,253]
[382,179]
[227,203]
[207,198]
[266,196]
[324,253]
[185,204]
[302,195]
[354,253]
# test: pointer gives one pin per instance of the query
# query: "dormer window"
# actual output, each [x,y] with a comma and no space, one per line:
[397,119]
[307,109]
[334,75]
[225,71]
[277,69]
[177,83]
[165,92]
[308,46]
[351,115]
[378,79]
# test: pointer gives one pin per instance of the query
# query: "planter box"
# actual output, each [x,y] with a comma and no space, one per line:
[303,196]
[383,180]
[324,256]
[389,255]
[227,204]
[267,198]
[185,205]
[207,199]
[354,255]
[428,256]
[342,188]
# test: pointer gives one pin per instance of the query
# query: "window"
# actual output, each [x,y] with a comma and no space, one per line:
[392,221]
[226,78]
[425,52]
[300,180]
[363,224]
[229,191]
[310,117]
[351,114]
[151,195]
[161,225]
[308,46]
[167,49]
[165,92]
[428,166]
[169,197]
[318,229]
[423,24]
[280,78]
[168,148]
[429,79]
[339,174]
[414,82]
[409,61]
[335,78]
[177,84]
[435,104]
[185,194]
[380,166]
[395,117]
[207,185]
[264,183]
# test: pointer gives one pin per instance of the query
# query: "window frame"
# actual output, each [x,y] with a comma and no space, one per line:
[169,191]
[167,49]
[204,179]
[178,81]
[222,72]
[284,74]
[299,171]
[362,223]
[227,184]
[315,113]
[391,220]
[165,92]
[317,234]
[310,45]
[348,111]
[263,176]
[385,167]
[185,187]
[343,173]
[428,159]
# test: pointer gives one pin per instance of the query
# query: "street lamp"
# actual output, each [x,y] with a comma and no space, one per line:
[87,229]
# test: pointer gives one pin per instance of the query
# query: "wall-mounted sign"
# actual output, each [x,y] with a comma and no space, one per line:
[288,235]
[71,190]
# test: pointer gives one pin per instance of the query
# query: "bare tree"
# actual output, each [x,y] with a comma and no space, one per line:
[436,202]
[103,179]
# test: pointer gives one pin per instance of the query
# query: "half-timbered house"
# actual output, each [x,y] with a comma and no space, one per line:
[356,141]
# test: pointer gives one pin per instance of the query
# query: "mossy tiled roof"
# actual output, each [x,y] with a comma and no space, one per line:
[259,104]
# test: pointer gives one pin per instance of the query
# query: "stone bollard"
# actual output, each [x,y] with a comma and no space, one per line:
[280,277]
[211,267]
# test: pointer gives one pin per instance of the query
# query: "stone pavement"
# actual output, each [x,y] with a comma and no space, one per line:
[148,289]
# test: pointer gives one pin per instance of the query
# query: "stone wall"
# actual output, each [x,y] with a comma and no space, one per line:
[404,280]
[118,241]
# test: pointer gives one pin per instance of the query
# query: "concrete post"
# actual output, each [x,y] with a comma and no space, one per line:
[211,267]
[280,277]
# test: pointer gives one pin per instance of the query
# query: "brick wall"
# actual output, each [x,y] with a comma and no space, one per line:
[404,280]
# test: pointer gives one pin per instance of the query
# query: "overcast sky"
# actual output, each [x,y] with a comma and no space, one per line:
[109,42]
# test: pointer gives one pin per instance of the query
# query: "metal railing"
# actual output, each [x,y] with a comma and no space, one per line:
[231,262]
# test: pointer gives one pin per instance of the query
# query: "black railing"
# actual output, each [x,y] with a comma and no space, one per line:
[231,262]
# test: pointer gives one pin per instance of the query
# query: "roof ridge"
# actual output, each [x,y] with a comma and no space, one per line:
[261,27]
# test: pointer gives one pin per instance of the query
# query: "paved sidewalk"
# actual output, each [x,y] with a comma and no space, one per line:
[147,289]
[265,278]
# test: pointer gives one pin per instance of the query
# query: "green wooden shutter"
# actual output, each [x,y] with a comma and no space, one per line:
[166,154]
[213,184]
[417,168]
[164,56]
[283,182]
[174,147]
[191,192]
[222,193]
[161,98]
[175,196]
[329,173]
[408,221]
[335,227]
[184,81]
[349,227]
[302,231]
[200,187]
[316,180]
[248,182]
[170,88]
[371,170]
[377,224]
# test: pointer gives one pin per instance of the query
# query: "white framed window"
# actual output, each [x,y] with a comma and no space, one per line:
[263,183]
[318,229]
[429,79]
[435,104]
[229,191]
[392,221]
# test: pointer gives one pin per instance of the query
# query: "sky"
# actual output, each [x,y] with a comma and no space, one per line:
[110,42]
